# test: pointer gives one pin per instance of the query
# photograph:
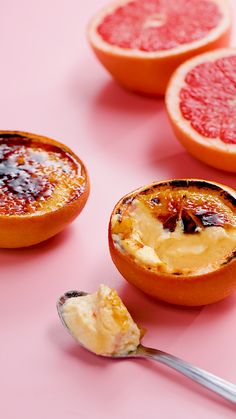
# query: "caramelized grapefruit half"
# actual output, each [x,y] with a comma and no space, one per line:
[176,240]
[201,103]
[43,187]
[141,42]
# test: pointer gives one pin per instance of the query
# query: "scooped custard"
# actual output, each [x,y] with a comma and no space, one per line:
[177,229]
[102,323]
[36,177]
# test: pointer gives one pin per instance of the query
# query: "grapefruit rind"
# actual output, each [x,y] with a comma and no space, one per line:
[212,151]
[32,228]
[205,287]
[149,72]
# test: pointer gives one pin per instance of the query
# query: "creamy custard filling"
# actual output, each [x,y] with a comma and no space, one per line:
[175,244]
[102,323]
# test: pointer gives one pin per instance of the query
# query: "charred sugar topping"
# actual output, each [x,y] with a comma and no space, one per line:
[196,209]
[155,201]
[178,227]
[36,176]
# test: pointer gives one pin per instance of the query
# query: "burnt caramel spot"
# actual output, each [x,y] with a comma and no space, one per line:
[230,198]
[155,201]
[18,175]
[29,173]
[189,224]
[169,222]
[128,200]
[178,183]
[196,204]
[211,219]
[230,258]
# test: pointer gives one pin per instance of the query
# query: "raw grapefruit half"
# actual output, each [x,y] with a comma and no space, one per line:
[141,42]
[201,102]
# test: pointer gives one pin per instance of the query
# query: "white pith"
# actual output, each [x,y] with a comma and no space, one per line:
[177,82]
[97,41]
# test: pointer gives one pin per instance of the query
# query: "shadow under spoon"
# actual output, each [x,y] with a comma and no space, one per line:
[216,384]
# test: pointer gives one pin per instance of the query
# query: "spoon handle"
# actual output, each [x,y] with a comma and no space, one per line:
[206,379]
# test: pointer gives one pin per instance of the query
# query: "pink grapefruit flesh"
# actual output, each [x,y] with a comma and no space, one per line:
[142,42]
[157,25]
[208,101]
[201,103]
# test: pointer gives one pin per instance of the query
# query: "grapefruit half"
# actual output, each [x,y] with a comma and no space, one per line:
[201,103]
[44,187]
[176,240]
[141,42]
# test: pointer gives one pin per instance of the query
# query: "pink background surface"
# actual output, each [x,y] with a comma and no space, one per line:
[52,84]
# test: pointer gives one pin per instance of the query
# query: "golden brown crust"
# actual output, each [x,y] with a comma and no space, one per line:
[193,204]
[199,289]
[26,229]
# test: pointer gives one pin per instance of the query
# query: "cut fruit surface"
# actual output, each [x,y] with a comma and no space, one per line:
[43,186]
[154,25]
[201,102]
[141,42]
[173,239]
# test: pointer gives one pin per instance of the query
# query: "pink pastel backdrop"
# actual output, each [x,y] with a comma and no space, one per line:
[52,84]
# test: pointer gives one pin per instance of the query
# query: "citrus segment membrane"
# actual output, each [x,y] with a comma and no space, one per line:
[176,230]
[158,25]
[36,177]
[208,99]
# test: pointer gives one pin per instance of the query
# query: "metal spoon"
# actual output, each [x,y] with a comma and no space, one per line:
[216,384]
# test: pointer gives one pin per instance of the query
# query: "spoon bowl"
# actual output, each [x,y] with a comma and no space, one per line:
[214,383]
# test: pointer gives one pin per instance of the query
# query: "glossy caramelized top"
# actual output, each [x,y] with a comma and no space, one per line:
[178,227]
[36,177]
[197,206]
